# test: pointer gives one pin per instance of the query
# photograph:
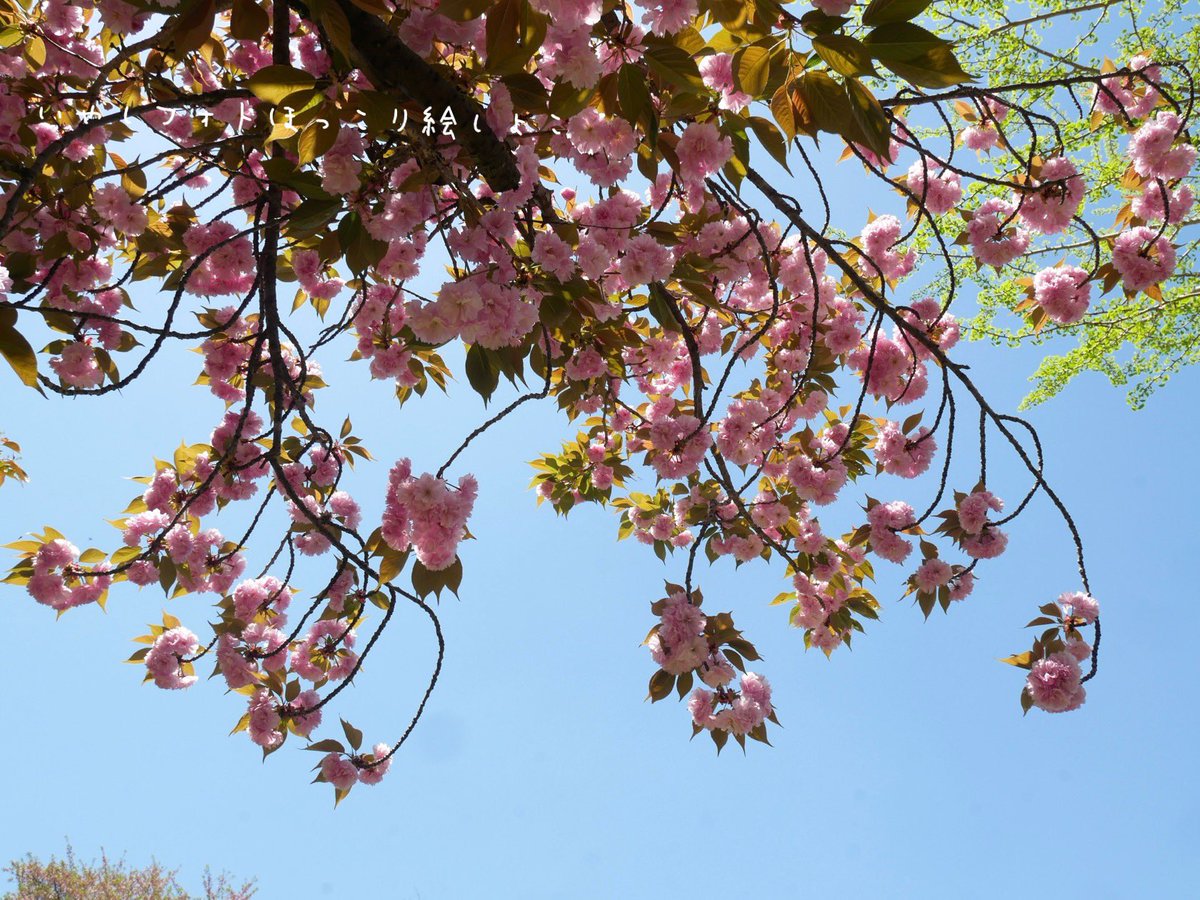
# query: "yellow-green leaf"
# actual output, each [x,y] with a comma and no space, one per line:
[935,68]
[844,54]
[16,350]
[274,84]
[884,12]
[752,69]
[248,20]
[901,42]
[868,117]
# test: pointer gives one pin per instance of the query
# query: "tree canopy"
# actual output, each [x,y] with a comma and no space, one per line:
[612,189]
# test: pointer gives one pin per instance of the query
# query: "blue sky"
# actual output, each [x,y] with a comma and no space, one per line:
[904,768]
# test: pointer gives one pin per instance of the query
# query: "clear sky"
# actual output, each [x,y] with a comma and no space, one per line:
[904,768]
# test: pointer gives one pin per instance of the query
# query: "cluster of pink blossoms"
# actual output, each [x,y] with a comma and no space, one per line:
[1134,96]
[679,645]
[880,259]
[899,454]
[885,520]
[745,709]
[984,134]
[981,539]
[1055,681]
[223,259]
[267,719]
[937,192]
[1064,292]
[686,646]
[492,305]
[716,70]
[994,240]
[227,354]
[600,147]
[164,662]
[58,581]
[1055,197]
[340,511]
[1143,257]
[427,513]
[342,773]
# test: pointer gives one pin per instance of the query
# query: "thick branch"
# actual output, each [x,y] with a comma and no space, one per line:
[392,65]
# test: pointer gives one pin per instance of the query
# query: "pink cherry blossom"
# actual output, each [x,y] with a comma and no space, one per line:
[1142,258]
[1054,683]
[1063,292]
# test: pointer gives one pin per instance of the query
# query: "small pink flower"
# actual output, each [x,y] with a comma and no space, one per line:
[1080,605]
[702,151]
[973,510]
[374,774]
[339,771]
[1054,683]
[931,575]
[1063,292]
[1142,258]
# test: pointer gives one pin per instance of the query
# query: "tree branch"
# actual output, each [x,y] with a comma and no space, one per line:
[391,64]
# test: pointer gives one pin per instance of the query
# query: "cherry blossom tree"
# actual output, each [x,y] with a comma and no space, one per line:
[608,186]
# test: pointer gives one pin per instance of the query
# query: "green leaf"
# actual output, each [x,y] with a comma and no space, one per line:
[815,22]
[719,737]
[332,19]
[16,350]
[192,27]
[248,21]
[329,745]
[752,69]
[312,216]
[660,307]
[482,372]
[675,66]
[661,683]
[10,36]
[884,12]
[936,68]
[514,33]
[682,686]
[528,94]
[274,84]
[353,735]
[375,7]
[868,117]
[781,109]
[634,96]
[426,581]
[823,105]
[391,563]
[902,42]
[463,10]
[844,54]
[315,140]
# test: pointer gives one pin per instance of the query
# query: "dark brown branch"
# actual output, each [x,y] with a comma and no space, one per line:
[391,65]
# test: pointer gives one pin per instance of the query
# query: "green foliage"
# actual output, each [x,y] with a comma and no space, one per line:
[1136,342]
